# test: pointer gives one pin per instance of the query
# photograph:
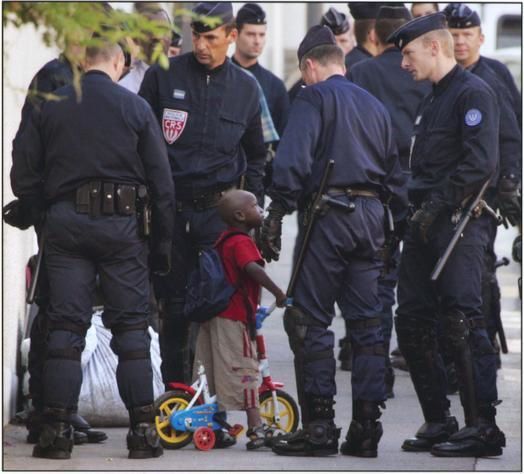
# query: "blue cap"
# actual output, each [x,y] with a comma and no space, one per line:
[317,35]
[417,27]
[363,10]
[219,13]
[394,13]
[461,16]
[252,14]
[336,21]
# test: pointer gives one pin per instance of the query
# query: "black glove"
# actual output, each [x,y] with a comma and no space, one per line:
[508,200]
[516,249]
[425,216]
[161,258]
[270,236]
[23,213]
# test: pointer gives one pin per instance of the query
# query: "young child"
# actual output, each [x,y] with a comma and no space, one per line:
[224,345]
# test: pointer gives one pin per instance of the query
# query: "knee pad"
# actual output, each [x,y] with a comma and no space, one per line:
[296,323]
[416,337]
[456,330]
[57,349]
[367,329]
[131,342]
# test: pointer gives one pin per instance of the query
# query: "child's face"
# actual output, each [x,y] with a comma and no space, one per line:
[253,213]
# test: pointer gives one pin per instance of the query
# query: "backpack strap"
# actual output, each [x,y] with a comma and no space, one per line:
[251,322]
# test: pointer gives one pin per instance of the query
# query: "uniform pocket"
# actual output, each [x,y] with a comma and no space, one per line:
[229,133]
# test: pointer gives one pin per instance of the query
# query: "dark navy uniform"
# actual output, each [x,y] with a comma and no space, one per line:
[212,130]
[455,151]
[510,146]
[342,256]
[357,54]
[275,93]
[109,141]
[53,75]
[504,74]
[383,77]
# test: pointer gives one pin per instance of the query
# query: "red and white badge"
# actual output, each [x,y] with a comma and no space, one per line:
[173,124]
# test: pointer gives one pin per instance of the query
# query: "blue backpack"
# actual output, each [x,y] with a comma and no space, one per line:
[208,291]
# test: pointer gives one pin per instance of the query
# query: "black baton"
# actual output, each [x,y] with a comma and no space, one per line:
[466,217]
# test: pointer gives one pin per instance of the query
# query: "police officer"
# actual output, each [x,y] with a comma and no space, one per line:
[423,9]
[250,43]
[498,67]
[342,255]
[454,152]
[53,75]
[209,113]
[85,161]
[252,29]
[364,14]
[175,46]
[464,25]
[338,22]
[140,65]
[401,95]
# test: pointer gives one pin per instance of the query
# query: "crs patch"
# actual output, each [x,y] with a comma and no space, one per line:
[473,117]
[173,124]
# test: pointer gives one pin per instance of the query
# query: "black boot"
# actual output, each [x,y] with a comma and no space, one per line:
[484,439]
[364,432]
[345,354]
[431,433]
[319,438]
[83,429]
[142,439]
[56,435]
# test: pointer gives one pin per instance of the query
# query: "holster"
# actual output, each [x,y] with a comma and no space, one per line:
[144,212]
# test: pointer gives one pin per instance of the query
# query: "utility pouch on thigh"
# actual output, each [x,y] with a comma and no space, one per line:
[95,196]
[82,199]
[108,199]
[125,200]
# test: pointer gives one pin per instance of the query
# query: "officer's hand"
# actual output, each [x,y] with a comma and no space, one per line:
[270,236]
[161,258]
[516,249]
[425,216]
[508,200]
[22,213]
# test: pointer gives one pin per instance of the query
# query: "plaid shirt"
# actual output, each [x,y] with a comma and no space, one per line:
[268,127]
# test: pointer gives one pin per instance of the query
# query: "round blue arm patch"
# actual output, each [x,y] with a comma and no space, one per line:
[473,117]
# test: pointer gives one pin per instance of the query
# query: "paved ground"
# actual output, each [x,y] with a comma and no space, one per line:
[401,418]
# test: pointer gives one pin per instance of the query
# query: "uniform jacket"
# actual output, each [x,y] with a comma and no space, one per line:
[275,92]
[502,71]
[455,142]
[326,123]
[510,143]
[383,77]
[210,122]
[111,134]
[357,54]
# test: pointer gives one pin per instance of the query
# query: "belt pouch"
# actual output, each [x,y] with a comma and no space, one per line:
[95,193]
[108,200]
[126,200]
[82,199]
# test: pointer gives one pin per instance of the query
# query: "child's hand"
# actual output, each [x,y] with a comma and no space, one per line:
[281,299]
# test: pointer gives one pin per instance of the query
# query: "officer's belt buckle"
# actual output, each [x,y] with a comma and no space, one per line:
[351,192]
